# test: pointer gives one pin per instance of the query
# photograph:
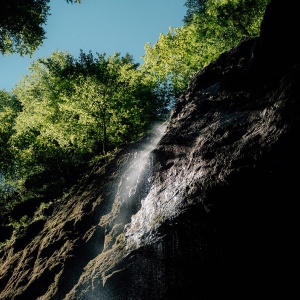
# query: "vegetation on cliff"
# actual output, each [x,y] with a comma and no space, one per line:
[69,110]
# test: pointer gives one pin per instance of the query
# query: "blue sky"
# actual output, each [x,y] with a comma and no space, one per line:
[103,26]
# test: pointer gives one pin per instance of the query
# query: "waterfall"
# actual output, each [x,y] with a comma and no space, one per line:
[133,183]
[131,177]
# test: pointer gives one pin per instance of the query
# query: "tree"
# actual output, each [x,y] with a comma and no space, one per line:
[74,109]
[212,27]
[9,109]
[21,25]
[194,7]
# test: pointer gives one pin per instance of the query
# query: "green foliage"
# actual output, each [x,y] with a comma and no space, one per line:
[212,27]
[9,109]
[21,25]
[22,222]
[72,109]
[194,7]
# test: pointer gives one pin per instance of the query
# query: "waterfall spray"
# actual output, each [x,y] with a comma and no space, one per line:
[134,182]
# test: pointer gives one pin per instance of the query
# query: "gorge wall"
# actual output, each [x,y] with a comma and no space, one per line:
[208,212]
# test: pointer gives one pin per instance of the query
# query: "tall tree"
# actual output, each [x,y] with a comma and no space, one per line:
[74,109]
[21,25]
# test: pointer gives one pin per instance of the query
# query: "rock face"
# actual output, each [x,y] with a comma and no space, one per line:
[209,213]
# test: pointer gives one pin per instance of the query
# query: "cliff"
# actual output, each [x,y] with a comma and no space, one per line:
[205,208]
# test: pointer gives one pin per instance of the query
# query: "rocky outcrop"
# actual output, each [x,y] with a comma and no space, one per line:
[208,213]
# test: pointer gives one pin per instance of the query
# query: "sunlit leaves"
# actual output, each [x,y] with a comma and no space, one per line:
[9,109]
[212,27]
[76,108]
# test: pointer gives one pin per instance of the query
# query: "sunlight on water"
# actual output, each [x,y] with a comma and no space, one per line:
[134,184]
[131,176]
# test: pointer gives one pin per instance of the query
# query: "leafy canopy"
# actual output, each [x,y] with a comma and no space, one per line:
[72,110]
[21,25]
[211,27]
[9,109]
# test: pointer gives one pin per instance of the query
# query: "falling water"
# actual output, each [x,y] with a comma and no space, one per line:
[134,182]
